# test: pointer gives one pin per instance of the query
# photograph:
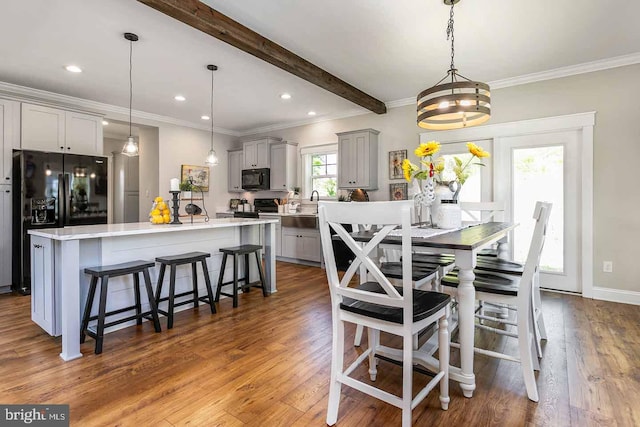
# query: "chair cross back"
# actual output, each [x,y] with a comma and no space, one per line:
[484,211]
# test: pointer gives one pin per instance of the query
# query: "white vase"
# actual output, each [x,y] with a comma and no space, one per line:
[443,192]
[449,215]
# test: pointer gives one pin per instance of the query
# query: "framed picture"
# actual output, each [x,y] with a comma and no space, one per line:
[199,175]
[398,191]
[395,163]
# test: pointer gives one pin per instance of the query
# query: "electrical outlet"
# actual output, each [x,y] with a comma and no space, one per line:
[607,266]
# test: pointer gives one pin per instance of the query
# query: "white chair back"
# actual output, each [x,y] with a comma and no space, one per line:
[484,211]
[385,216]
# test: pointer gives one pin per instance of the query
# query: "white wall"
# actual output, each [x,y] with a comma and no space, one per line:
[613,94]
[148,168]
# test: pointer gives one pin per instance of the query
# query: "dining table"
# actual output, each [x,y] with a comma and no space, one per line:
[464,244]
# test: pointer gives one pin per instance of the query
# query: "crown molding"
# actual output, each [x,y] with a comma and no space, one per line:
[572,70]
[52,99]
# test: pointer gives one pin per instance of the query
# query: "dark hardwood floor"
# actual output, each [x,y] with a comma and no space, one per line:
[267,363]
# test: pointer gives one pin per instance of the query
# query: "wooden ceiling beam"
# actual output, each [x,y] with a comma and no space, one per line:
[210,21]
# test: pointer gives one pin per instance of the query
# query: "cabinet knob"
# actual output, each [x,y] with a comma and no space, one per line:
[7,178]
[37,246]
[62,148]
[68,148]
[7,191]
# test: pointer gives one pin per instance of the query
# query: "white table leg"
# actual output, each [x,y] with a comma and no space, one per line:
[270,256]
[503,248]
[69,257]
[466,262]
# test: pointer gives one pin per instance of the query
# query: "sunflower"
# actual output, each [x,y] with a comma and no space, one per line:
[407,169]
[427,149]
[476,150]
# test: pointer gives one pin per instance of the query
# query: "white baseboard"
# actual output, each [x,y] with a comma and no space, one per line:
[5,289]
[616,295]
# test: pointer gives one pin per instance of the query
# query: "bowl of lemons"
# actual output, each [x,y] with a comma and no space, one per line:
[159,213]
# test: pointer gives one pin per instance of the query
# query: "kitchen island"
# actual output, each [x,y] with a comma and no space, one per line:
[60,255]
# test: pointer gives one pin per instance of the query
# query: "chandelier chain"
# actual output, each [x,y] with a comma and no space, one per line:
[450,35]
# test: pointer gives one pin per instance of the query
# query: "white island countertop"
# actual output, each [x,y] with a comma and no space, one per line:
[81,232]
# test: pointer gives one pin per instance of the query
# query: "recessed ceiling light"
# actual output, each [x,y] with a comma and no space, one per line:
[104,123]
[179,98]
[311,113]
[205,117]
[285,96]
[73,69]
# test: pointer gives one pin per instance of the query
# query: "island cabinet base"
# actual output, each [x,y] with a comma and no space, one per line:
[47,271]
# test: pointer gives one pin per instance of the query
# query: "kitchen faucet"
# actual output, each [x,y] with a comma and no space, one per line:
[317,195]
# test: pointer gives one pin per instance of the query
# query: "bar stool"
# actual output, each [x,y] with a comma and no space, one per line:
[173,261]
[237,251]
[104,273]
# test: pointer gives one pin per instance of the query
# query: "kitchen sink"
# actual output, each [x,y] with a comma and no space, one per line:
[299,221]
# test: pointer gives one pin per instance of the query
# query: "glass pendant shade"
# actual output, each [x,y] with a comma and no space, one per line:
[212,158]
[130,147]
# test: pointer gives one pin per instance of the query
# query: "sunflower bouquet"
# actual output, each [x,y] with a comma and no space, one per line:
[434,169]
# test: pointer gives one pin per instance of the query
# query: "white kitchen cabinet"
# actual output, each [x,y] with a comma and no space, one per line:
[126,195]
[358,159]
[256,153]
[5,238]
[234,171]
[55,130]
[9,137]
[301,243]
[284,166]
[43,292]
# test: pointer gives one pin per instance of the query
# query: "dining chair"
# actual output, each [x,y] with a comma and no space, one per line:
[516,292]
[380,306]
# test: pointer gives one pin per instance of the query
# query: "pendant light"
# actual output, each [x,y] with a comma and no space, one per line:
[131,146]
[456,104]
[212,158]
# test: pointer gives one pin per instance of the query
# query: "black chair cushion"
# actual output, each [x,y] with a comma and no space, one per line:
[493,283]
[425,303]
[498,265]
[241,250]
[442,260]
[183,258]
[418,271]
[119,269]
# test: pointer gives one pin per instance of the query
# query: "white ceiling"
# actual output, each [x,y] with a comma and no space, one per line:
[389,49]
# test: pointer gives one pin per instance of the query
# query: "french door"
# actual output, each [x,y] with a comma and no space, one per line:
[543,167]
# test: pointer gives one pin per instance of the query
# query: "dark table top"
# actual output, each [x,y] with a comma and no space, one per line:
[465,239]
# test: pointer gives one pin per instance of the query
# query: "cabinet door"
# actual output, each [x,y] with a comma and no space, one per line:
[311,245]
[9,136]
[347,161]
[361,160]
[42,284]
[279,167]
[83,133]
[250,152]
[290,242]
[132,173]
[263,154]
[5,235]
[234,172]
[43,128]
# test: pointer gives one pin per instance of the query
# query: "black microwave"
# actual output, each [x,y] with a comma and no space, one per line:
[256,179]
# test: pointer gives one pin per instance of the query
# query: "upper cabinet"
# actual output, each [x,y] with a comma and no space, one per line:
[358,159]
[256,153]
[234,171]
[284,166]
[9,136]
[51,129]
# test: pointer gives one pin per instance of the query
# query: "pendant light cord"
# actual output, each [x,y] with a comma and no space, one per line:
[450,35]
[130,82]
[212,71]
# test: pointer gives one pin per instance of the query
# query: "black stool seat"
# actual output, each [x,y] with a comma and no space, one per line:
[103,273]
[237,251]
[119,269]
[241,250]
[181,259]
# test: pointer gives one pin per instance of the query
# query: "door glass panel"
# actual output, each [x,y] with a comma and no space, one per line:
[538,176]
[471,190]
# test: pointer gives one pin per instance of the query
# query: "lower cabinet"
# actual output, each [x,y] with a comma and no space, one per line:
[5,238]
[301,243]
[43,292]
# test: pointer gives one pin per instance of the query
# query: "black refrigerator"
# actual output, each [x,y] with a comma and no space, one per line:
[53,190]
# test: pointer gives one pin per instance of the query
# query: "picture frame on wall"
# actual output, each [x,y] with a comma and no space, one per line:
[395,163]
[199,174]
[398,191]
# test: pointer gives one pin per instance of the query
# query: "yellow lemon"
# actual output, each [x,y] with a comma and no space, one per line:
[161,206]
[166,218]
[157,219]
[155,212]
[158,199]
[166,212]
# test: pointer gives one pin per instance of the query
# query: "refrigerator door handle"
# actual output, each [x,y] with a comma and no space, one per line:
[67,199]
[61,197]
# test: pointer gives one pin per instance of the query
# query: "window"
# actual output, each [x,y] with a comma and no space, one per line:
[324,171]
